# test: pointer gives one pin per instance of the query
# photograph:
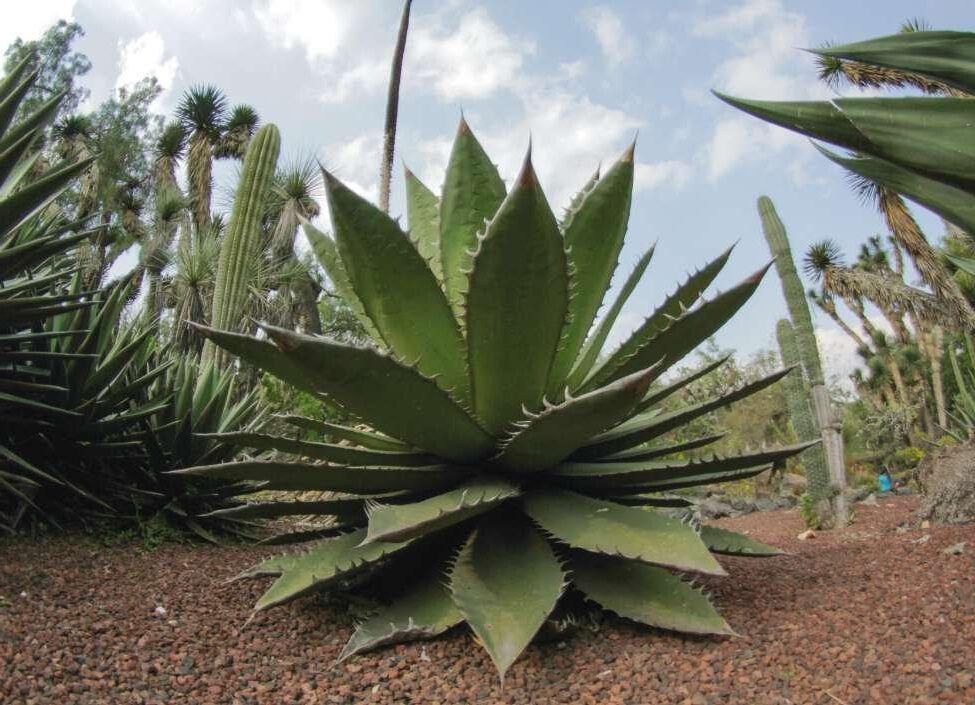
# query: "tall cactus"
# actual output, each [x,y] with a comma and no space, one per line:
[832,512]
[241,242]
[805,426]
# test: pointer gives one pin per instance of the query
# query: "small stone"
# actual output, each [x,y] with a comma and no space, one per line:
[955,549]
[160,610]
[806,535]
[925,524]
[923,539]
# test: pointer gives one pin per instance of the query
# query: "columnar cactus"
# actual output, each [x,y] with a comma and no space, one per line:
[800,411]
[821,476]
[241,241]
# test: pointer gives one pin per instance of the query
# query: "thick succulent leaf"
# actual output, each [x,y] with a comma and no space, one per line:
[662,451]
[708,478]
[328,255]
[596,341]
[39,407]
[629,435]
[14,87]
[343,507]
[733,544]
[365,439]
[965,264]
[328,561]
[505,583]
[389,396]
[658,395]
[690,330]
[425,611]
[601,526]
[397,288]
[26,465]
[277,475]
[594,233]
[955,204]
[116,363]
[815,118]
[929,135]
[33,122]
[336,454]
[645,594]
[948,57]
[423,216]
[472,192]
[27,201]
[654,327]
[555,432]
[398,522]
[615,474]
[516,305]
[36,252]
[289,538]
[274,566]
[652,500]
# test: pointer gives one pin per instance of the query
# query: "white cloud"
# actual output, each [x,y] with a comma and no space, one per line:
[614,40]
[145,56]
[743,17]
[671,173]
[571,135]
[765,64]
[356,163]
[475,59]
[319,27]
[367,77]
[29,20]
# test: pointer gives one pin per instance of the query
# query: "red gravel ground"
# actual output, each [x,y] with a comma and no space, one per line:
[866,615]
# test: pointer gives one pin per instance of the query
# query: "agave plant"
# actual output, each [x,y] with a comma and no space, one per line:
[506,459]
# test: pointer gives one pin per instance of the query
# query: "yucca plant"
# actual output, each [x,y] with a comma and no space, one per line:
[33,286]
[199,400]
[506,459]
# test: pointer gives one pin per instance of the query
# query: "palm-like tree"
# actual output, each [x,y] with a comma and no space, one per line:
[170,148]
[190,292]
[240,127]
[74,141]
[835,72]
[202,112]
[157,253]
[293,200]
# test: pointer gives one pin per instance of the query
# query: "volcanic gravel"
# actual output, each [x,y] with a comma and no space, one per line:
[871,614]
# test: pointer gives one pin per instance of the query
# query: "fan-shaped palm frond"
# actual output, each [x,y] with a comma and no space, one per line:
[237,133]
[170,147]
[820,257]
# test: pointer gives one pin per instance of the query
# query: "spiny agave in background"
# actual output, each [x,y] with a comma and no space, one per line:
[509,460]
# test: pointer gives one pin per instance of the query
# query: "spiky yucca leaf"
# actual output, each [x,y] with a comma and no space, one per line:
[518,475]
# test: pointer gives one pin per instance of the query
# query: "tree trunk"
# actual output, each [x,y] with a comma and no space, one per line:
[833,446]
[937,375]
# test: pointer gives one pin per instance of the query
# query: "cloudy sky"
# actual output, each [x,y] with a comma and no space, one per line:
[579,77]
